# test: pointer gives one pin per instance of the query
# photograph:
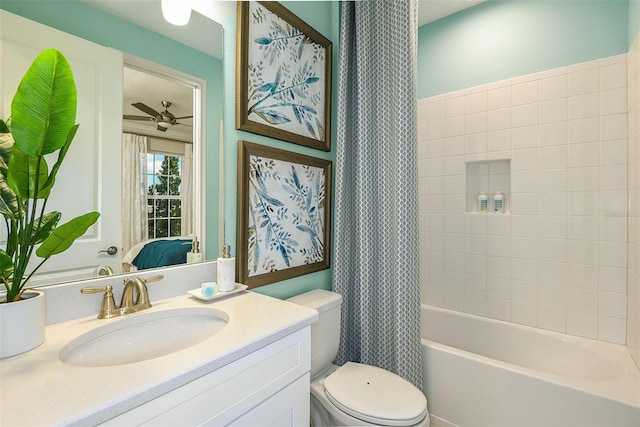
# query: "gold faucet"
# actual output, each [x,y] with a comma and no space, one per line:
[128,304]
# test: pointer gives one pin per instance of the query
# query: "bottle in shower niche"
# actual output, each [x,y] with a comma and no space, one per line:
[226,271]
[498,202]
[482,202]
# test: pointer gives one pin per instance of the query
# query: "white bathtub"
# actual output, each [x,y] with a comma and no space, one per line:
[484,372]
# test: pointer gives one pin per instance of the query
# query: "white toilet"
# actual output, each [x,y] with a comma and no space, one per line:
[354,394]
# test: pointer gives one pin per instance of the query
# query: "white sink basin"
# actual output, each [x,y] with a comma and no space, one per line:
[143,336]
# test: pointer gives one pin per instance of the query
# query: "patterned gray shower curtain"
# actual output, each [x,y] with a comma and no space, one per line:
[376,196]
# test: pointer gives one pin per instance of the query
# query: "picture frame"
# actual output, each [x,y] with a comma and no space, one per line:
[283,83]
[284,214]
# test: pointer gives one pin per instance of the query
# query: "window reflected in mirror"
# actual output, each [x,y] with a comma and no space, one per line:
[165,195]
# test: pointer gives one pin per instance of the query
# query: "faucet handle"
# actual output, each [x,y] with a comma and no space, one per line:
[152,279]
[108,308]
[95,289]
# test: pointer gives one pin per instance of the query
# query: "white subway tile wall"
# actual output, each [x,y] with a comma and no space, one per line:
[557,259]
[633,226]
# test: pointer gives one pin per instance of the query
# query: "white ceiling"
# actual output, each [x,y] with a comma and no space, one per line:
[432,10]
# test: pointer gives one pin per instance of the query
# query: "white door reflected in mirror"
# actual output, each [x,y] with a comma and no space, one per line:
[89,179]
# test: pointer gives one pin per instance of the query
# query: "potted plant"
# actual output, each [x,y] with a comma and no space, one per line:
[43,113]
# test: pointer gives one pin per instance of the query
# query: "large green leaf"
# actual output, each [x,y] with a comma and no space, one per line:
[6,144]
[48,223]
[46,187]
[9,204]
[10,207]
[63,236]
[6,265]
[44,106]
[12,238]
[22,172]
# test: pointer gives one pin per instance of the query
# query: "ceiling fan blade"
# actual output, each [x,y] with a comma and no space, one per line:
[145,118]
[184,117]
[161,128]
[143,107]
[184,124]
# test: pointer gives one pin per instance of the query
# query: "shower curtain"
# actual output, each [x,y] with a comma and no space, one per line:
[376,197]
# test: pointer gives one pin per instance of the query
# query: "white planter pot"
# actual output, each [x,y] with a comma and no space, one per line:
[22,324]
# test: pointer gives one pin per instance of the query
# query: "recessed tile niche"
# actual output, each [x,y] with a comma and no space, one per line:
[488,177]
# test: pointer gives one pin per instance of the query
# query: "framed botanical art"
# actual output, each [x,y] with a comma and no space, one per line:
[283,83]
[283,214]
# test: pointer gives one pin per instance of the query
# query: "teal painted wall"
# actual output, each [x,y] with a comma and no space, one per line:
[500,39]
[323,16]
[634,20]
[84,21]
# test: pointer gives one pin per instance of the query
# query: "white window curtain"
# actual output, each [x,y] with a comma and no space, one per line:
[134,190]
[187,191]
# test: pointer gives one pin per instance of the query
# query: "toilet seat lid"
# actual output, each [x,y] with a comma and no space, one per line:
[375,395]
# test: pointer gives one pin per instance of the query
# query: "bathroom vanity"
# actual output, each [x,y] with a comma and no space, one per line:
[253,370]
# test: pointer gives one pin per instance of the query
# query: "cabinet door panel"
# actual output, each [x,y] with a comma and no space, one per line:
[289,407]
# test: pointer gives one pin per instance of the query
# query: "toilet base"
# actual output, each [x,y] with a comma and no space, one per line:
[324,413]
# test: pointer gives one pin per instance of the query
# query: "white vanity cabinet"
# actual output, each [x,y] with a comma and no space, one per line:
[252,372]
[269,386]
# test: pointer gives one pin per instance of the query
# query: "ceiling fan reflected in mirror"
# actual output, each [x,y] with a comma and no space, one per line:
[164,120]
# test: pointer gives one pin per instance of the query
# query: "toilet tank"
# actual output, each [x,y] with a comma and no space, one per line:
[325,332]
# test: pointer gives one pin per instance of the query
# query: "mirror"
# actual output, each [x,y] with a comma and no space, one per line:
[186,58]
[160,155]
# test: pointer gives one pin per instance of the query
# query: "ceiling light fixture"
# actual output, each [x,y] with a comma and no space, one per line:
[176,12]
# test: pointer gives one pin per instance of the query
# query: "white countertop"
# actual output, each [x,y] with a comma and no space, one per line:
[36,388]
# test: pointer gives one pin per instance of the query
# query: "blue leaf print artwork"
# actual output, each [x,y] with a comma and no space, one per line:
[286,75]
[286,215]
